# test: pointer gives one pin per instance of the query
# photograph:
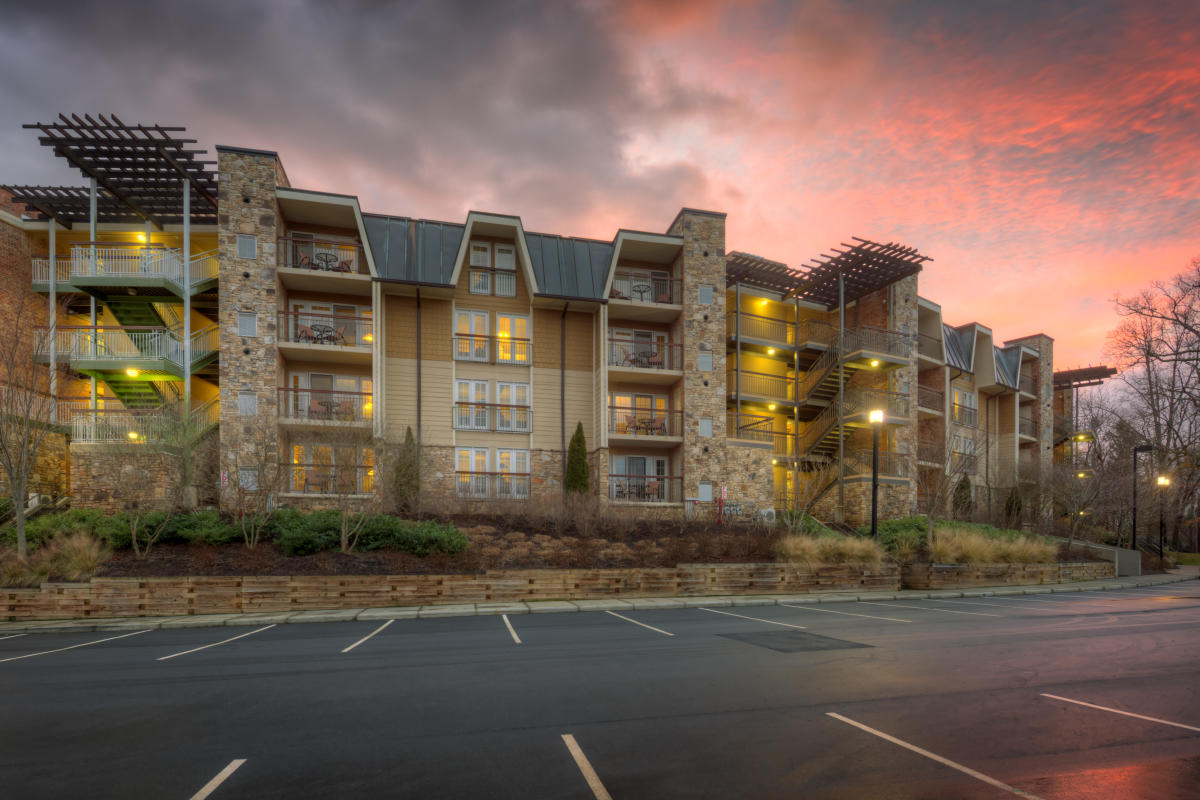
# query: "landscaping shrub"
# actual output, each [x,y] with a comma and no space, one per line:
[206,527]
[44,526]
[418,538]
[72,557]
[956,545]
[815,551]
[300,534]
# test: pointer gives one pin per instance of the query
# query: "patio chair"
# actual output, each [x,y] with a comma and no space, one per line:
[305,334]
[339,336]
[652,488]
[654,359]
[631,423]
[345,265]
[314,482]
[303,261]
[345,411]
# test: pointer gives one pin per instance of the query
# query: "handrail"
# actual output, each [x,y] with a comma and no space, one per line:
[634,421]
[328,405]
[342,329]
[644,355]
[645,488]
[499,417]
[928,397]
[492,485]
[478,347]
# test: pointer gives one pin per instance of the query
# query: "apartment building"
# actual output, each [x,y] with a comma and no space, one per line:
[291,323]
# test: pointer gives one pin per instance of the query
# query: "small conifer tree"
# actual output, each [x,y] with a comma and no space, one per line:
[407,481]
[578,481]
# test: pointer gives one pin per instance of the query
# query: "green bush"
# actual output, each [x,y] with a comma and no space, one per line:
[45,526]
[206,527]
[300,534]
[418,538]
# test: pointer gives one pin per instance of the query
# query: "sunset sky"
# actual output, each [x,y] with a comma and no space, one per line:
[1045,154]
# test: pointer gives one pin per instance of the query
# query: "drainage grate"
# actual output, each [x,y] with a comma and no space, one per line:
[793,641]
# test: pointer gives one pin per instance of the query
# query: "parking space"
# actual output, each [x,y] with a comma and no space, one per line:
[1003,695]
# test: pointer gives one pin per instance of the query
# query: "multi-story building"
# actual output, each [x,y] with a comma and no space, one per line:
[291,323]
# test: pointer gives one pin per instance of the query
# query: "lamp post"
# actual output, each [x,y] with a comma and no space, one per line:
[1163,483]
[876,419]
[1141,448]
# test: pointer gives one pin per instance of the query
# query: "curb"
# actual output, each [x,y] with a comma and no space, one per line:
[313,616]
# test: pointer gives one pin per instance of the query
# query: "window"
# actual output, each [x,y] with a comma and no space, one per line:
[247,404]
[639,414]
[481,254]
[704,294]
[639,479]
[706,426]
[512,407]
[965,411]
[481,282]
[471,336]
[705,362]
[705,493]
[506,257]
[247,246]
[325,469]
[512,478]
[471,468]
[248,479]
[247,323]
[470,410]
[512,339]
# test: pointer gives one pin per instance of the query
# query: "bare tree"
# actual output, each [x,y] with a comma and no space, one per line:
[26,406]
[259,475]
[937,483]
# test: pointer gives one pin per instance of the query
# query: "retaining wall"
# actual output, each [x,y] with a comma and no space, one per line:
[130,597]
[956,576]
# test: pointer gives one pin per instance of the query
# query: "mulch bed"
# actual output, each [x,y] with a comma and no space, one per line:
[638,545]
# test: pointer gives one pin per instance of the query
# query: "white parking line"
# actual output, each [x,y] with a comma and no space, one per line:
[368,636]
[72,647]
[508,625]
[845,613]
[756,619]
[585,766]
[971,603]
[924,608]
[214,644]
[1124,713]
[15,635]
[220,778]
[935,757]
[644,625]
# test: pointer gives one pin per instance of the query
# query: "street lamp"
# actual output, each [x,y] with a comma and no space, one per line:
[876,419]
[1163,483]
[1141,448]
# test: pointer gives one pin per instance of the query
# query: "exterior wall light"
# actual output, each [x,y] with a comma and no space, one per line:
[770,351]
[874,362]
[131,372]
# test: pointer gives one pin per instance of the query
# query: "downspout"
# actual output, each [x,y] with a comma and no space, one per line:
[562,391]
[92,235]
[795,443]
[187,299]
[737,360]
[420,356]
[841,512]
[987,451]
[53,331]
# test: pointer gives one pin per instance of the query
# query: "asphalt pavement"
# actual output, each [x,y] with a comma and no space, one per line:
[1063,695]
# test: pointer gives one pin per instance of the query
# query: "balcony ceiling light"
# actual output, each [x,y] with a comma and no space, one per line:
[774,460]
[874,362]
[771,407]
[368,337]
[133,435]
[762,303]
[770,351]
[131,372]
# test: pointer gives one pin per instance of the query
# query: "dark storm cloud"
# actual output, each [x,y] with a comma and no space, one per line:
[417,107]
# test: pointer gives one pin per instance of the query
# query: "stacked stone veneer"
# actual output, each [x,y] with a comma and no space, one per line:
[954,576]
[1043,407]
[247,206]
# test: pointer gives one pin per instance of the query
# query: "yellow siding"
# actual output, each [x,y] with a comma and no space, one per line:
[547,409]
[401,397]
[437,421]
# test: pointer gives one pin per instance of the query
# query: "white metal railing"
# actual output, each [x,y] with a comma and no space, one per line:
[204,267]
[62,269]
[139,427]
[492,485]
[139,261]
[128,344]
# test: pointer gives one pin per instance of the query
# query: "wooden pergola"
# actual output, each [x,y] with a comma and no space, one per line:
[139,173]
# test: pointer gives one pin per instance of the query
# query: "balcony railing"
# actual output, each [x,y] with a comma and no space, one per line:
[644,355]
[645,488]
[321,405]
[965,463]
[492,485]
[130,261]
[931,451]
[347,480]
[878,340]
[1026,427]
[1027,384]
[863,401]
[492,349]
[134,346]
[490,280]
[646,288]
[321,255]
[891,463]
[139,427]
[760,384]
[1063,426]
[964,415]
[933,399]
[755,326]
[929,346]
[302,327]
[493,417]
[626,421]
[751,427]
[62,269]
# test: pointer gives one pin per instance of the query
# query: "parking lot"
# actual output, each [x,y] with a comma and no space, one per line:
[1053,696]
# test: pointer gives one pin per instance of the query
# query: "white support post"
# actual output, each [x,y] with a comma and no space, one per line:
[92,236]
[187,296]
[53,330]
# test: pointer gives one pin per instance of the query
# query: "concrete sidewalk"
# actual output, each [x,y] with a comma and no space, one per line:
[569,606]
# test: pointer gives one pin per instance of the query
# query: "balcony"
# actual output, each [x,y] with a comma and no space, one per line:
[640,296]
[142,268]
[1026,427]
[1027,384]
[493,417]
[869,340]
[318,265]
[964,463]
[645,488]
[492,349]
[761,386]
[308,336]
[931,452]
[760,328]
[646,362]
[930,347]
[964,415]
[343,480]
[324,408]
[645,425]
[891,463]
[139,427]
[136,349]
[492,485]
[860,402]
[931,399]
